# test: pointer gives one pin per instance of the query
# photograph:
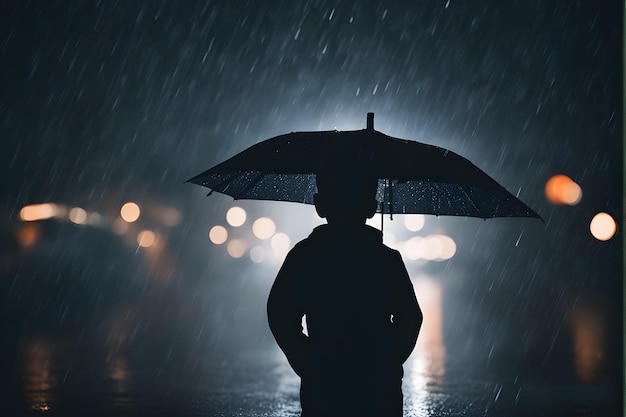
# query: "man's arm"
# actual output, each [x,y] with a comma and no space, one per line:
[407,315]
[284,312]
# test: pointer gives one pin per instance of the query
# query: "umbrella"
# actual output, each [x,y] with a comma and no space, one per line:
[413,177]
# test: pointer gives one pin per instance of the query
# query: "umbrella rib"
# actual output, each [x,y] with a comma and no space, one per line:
[390,199]
[250,185]
[472,201]
[219,187]
[432,197]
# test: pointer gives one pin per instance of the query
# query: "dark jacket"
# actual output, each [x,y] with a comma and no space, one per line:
[362,318]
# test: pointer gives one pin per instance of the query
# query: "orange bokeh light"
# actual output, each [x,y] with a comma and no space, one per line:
[146,238]
[130,212]
[589,336]
[43,211]
[28,234]
[561,189]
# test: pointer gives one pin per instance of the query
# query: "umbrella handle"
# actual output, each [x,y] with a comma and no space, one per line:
[382,206]
[387,191]
[390,199]
[387,197]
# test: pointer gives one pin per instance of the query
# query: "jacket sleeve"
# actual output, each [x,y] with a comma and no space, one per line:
[285,309]
[407,315]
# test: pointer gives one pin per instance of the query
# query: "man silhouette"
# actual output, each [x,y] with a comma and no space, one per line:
[361,312]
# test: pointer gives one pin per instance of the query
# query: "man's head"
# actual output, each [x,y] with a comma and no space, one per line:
[346,195]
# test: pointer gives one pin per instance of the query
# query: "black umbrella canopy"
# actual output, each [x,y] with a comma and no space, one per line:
[413,177]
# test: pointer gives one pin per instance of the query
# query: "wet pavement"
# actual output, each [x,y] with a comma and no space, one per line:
[56,380]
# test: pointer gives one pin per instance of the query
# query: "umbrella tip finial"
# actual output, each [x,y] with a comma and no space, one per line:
[370,121]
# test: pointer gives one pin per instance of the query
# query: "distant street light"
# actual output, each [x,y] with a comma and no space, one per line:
[130,212]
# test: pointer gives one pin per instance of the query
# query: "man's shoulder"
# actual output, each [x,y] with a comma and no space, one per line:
[392,255]
[321,241]
[301,249]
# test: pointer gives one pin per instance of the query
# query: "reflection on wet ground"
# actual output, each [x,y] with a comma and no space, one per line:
[40,383]
[56,377]
[261,383]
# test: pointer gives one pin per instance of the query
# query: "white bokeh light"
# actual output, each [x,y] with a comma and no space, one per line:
[236,248]
[430,248]
[78,215]
[414,222]
[280,245]
[602,226]
[218,234]
[263,228]
[236,216]
[257,254]
[448,247]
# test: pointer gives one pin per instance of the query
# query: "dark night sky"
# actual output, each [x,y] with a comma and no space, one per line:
[107,102]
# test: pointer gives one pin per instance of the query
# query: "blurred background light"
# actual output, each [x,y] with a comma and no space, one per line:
[257,254]
[78,215]
[218,234]
[236,216]
[414,222]
[430,248]
[130,212]
[561,189]
[119,226]
[263,228]
[94,218]
[236,248]
[280,245]
[389,238]
[146,238]
[448,247]
[28,234]
[412,248]
[588,334]
[602,226]
[171,217]
[429,291]
[43,211]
